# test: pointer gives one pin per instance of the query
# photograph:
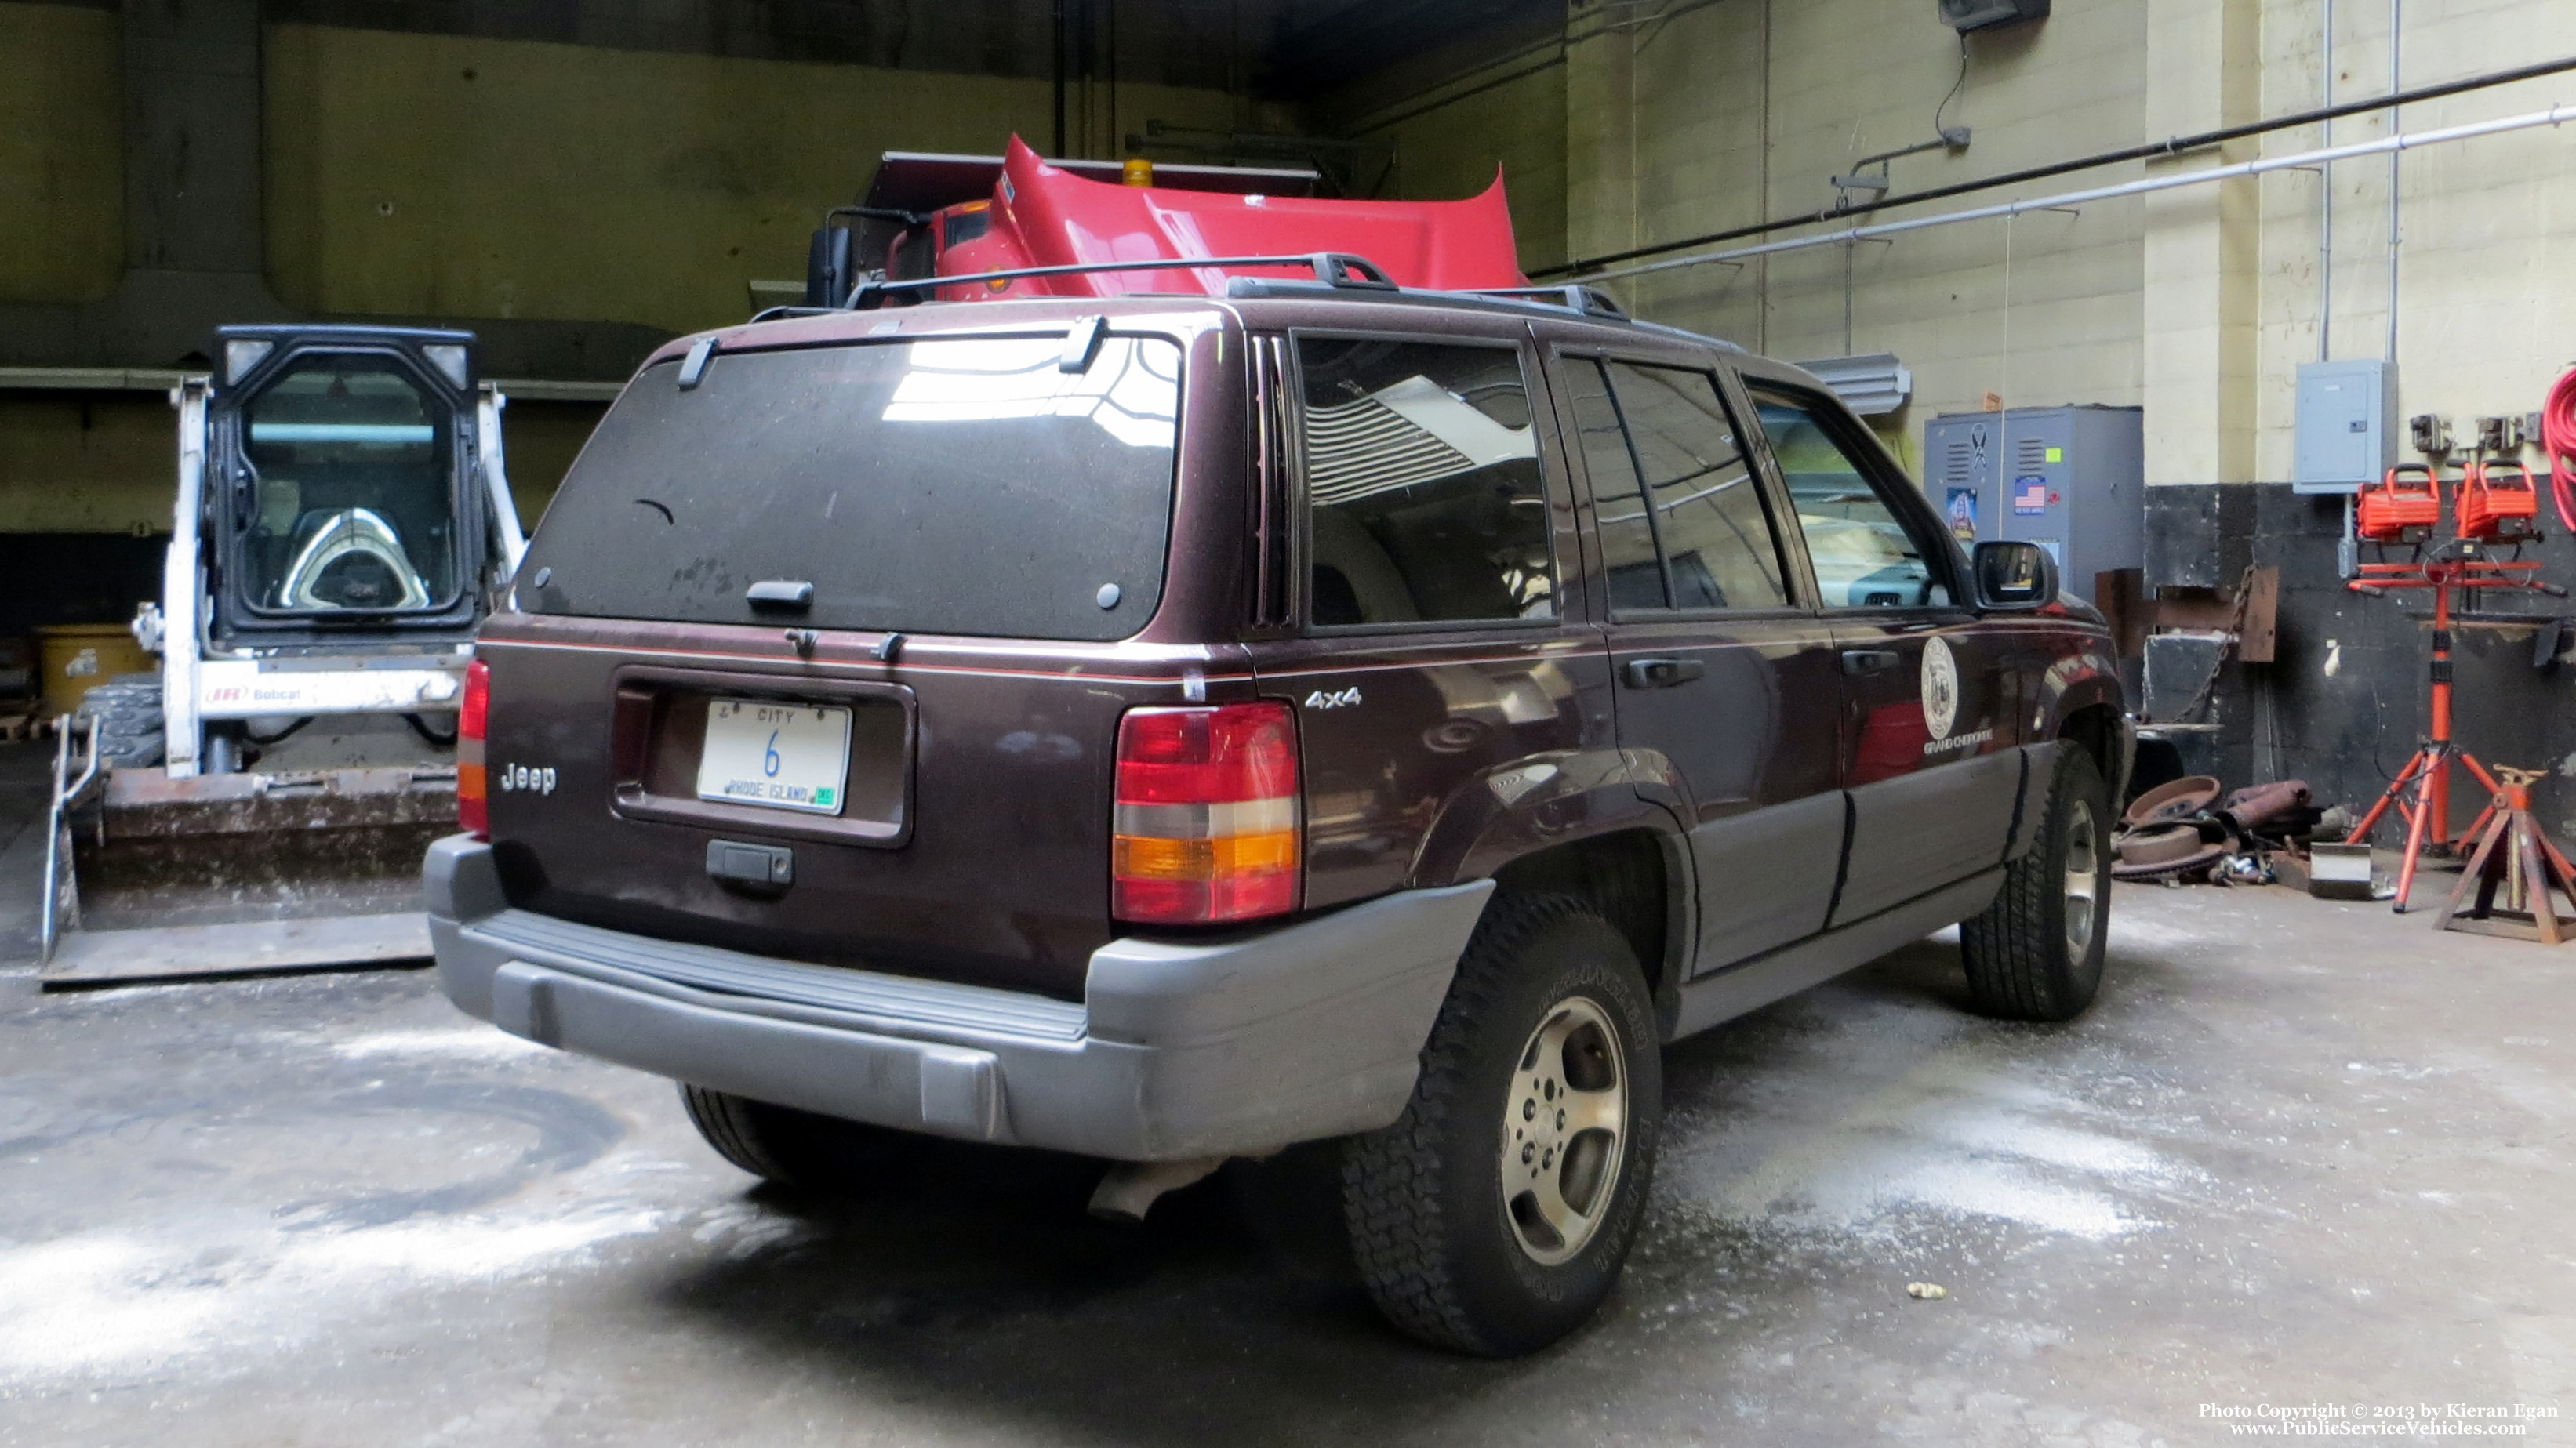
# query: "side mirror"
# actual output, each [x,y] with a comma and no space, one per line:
[2014,577]
[828,269]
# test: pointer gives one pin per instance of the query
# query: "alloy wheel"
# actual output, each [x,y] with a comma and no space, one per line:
[1565,1130]
[2083,879]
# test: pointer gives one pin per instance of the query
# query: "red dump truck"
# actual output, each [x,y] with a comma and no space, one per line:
[936,215]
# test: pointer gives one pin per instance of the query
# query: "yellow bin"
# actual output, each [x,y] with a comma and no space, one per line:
[77,656]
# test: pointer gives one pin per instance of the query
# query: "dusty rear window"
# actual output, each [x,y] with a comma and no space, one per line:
[946,485]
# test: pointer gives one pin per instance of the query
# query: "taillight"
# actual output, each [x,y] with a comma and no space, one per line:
[473,786]
[1207,815]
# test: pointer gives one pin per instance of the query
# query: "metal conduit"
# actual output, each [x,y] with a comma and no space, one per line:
[2154,150]
[2385,145]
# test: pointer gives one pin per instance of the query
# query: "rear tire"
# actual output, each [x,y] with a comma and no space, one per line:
[2036,952]
[1489,1219]
[791,1147]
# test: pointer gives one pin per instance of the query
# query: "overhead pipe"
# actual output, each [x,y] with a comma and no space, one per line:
[2325,196]
[2385,145]
[2154,150]
[2396,56]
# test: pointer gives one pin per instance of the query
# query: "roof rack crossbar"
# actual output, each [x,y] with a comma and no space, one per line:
[1334,268]
[1581,300]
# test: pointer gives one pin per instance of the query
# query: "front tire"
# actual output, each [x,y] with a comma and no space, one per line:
[1495,1215]
[127,709]
[2036,952]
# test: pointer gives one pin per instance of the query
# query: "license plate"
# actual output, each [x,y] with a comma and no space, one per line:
[786,756]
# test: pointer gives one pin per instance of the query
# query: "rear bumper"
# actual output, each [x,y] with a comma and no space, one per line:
[1177,1050]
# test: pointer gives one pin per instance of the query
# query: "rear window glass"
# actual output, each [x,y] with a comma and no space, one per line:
[947,485]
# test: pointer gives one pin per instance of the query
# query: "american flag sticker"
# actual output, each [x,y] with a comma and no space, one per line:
[2030,495]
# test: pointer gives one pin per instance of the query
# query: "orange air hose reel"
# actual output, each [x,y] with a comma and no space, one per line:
[2497,503]
[2558,441]
[2405,506]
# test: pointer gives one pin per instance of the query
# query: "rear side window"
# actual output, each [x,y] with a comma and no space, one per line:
[1682,522]
[1423,485]
[947,485]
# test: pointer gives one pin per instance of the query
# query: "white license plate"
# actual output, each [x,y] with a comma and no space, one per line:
[786,756]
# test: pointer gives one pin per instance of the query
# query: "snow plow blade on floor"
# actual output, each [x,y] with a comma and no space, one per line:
[156,878]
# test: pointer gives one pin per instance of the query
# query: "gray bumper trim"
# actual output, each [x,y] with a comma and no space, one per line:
[1178,1050]
[897,1001]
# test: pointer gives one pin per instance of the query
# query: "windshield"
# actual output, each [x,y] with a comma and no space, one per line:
[352,508]
[948,485]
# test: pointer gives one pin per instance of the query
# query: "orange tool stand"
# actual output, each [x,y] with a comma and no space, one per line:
[2428,773]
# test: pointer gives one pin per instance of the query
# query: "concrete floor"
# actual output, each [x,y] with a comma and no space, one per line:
[2299,1153]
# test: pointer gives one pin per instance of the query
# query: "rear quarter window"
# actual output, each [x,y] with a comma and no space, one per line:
[946,485]
[1425,499]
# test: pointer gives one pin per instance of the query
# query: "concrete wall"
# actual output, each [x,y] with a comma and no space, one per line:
[1742,110]
[1447,140]
[457,176]
[62,200]
[2198,304]
[2486,289]
[453,176]
[86,462]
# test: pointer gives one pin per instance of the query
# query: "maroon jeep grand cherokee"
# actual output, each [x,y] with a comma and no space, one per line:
[1177,728]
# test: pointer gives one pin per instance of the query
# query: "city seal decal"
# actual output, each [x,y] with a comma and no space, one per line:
[1940,687]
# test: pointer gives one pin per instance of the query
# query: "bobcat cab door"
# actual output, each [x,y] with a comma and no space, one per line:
[342,498]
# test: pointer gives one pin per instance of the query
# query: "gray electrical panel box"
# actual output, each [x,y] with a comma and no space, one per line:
[2071,479]
[2347,426]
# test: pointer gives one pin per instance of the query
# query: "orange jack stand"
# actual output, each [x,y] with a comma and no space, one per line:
[2428,818]
[2524,868]
[2428,773]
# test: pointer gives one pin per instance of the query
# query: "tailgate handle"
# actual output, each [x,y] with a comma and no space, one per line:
[762,867]
[1661,673]
[780,593]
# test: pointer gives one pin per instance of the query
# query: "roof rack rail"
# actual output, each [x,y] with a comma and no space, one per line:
[1333,268]
[1581,300]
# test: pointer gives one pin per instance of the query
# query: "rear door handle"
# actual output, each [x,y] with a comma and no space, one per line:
[1660,673]
[1870,661]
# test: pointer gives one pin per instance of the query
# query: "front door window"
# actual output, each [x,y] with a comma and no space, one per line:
[352,505]
[1865,556]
